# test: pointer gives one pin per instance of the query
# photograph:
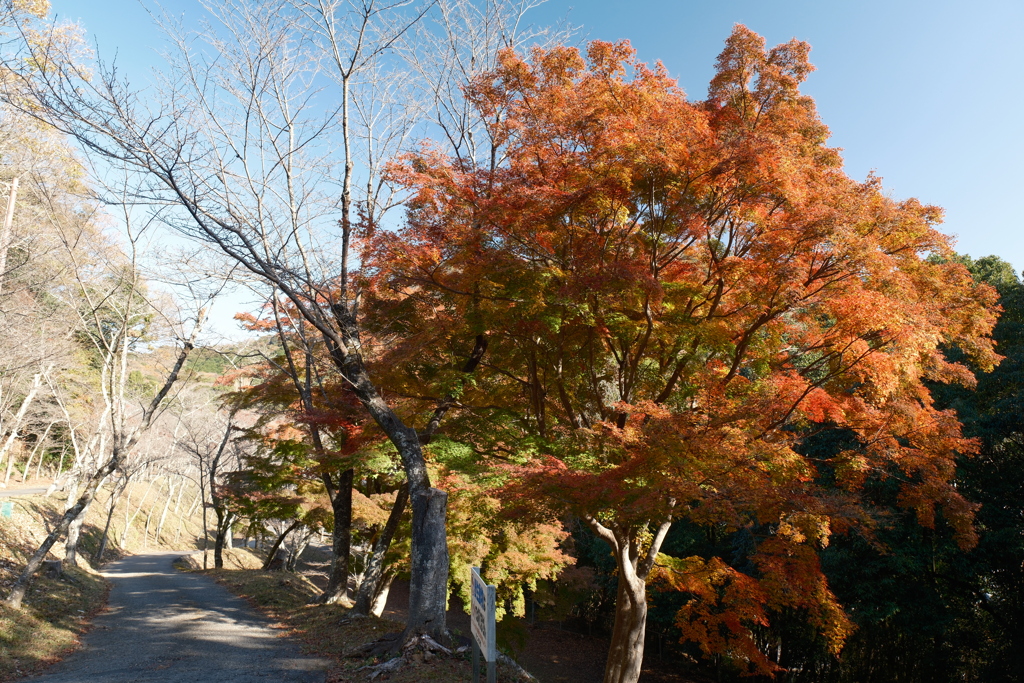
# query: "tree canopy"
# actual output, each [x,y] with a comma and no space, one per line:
[675,294]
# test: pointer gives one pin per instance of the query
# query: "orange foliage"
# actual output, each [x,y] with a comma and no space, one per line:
[674,293]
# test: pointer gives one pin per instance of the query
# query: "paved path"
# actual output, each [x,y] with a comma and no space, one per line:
[11,493]
[176,627]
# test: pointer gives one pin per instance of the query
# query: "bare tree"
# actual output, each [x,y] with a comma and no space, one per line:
[244,143]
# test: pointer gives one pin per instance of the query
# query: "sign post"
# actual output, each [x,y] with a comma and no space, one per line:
[482,625]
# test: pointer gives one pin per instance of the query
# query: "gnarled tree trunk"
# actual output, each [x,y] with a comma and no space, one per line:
[626,653]
[428,595]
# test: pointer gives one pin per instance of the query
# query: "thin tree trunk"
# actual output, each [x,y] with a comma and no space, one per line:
[206,528]
[277,544]
[340,496]
[60,465]
[112,505]
[167,505]
[145,496]
[293,559]
[5,233]
[375,569]
[127,507]
[145,530]
[194,505]
[39,446]
[224,521]
[37,381]
[21,585]
[341,540]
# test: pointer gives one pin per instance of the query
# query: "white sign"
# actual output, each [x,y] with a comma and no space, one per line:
[482,615]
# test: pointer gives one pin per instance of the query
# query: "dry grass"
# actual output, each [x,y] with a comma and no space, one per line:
[55,612]
[234,558]
[331,631]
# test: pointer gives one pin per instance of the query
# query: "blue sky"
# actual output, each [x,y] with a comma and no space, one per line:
[928,94]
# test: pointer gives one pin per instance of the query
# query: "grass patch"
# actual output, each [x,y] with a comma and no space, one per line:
[331,631]
[54,614]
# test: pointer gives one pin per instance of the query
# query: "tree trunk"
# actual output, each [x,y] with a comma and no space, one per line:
[277,544]
[375,569]
[11,461]
[380,596]
[21,585]
[114,495]
[224,521]
[626,653]
[5,232]
[341,540]
[38,447]
[293,559]
[428,581]
[129,520]
[428,589]
[37,381]
[167,506]
[74,535]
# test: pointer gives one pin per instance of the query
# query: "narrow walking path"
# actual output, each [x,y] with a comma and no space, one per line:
[12,493]
[175,627]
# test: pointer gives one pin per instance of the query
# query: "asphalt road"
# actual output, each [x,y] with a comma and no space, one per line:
[11,493]
[176,627]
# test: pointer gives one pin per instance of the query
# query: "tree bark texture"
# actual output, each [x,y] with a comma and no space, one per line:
[626,653]
[224,521]
[74,535]
[341,540]
[380,596]
[428,594]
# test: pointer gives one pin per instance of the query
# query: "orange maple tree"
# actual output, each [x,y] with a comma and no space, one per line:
[300,399]
[674,294]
